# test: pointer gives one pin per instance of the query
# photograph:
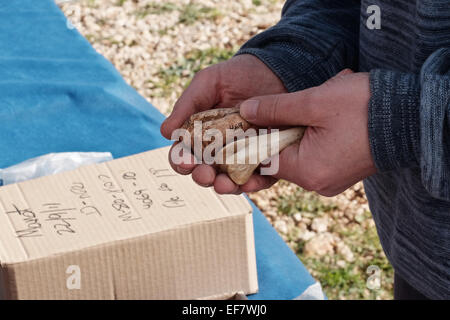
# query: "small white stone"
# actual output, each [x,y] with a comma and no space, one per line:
[307,235]
[281,226]
[345,251]
[320,245]
[297,217]
[271,213]
[341,263]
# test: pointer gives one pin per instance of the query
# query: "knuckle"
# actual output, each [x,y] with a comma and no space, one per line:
[200,74]
[270,110]
[317,181]
[205,74]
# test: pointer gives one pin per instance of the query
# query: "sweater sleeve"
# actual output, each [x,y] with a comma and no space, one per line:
[314,40]
[409,121]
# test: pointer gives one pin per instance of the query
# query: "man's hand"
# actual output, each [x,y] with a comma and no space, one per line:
[221,86]
[334,153]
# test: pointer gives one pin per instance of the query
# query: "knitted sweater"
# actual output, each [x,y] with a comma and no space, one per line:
[408,58]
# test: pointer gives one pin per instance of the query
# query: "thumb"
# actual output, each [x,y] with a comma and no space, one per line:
[288,109]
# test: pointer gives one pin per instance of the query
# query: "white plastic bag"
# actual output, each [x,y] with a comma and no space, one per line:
[49,164]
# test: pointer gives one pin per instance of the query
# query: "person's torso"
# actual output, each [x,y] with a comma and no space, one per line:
[414,227]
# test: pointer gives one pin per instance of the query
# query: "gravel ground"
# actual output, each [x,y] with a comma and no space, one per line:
[159,45]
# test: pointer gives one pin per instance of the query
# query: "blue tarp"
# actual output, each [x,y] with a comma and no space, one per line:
[58,94]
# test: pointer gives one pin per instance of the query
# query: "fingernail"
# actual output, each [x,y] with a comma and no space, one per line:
[182,170]
[249,109]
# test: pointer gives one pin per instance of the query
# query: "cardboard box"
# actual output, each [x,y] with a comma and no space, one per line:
[130,228]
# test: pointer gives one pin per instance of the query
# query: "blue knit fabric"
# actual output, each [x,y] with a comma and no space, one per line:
[409,113]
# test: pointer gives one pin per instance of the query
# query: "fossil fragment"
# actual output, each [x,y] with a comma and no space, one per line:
[239,158]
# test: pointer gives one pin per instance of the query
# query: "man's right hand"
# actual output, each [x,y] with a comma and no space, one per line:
[222,85]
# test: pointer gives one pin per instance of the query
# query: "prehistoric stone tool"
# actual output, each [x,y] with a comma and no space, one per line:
[239,158]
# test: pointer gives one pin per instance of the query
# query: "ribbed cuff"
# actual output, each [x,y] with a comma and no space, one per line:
[297,63]
[394,123]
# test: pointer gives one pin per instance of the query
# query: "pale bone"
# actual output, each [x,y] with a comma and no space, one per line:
[250,149]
